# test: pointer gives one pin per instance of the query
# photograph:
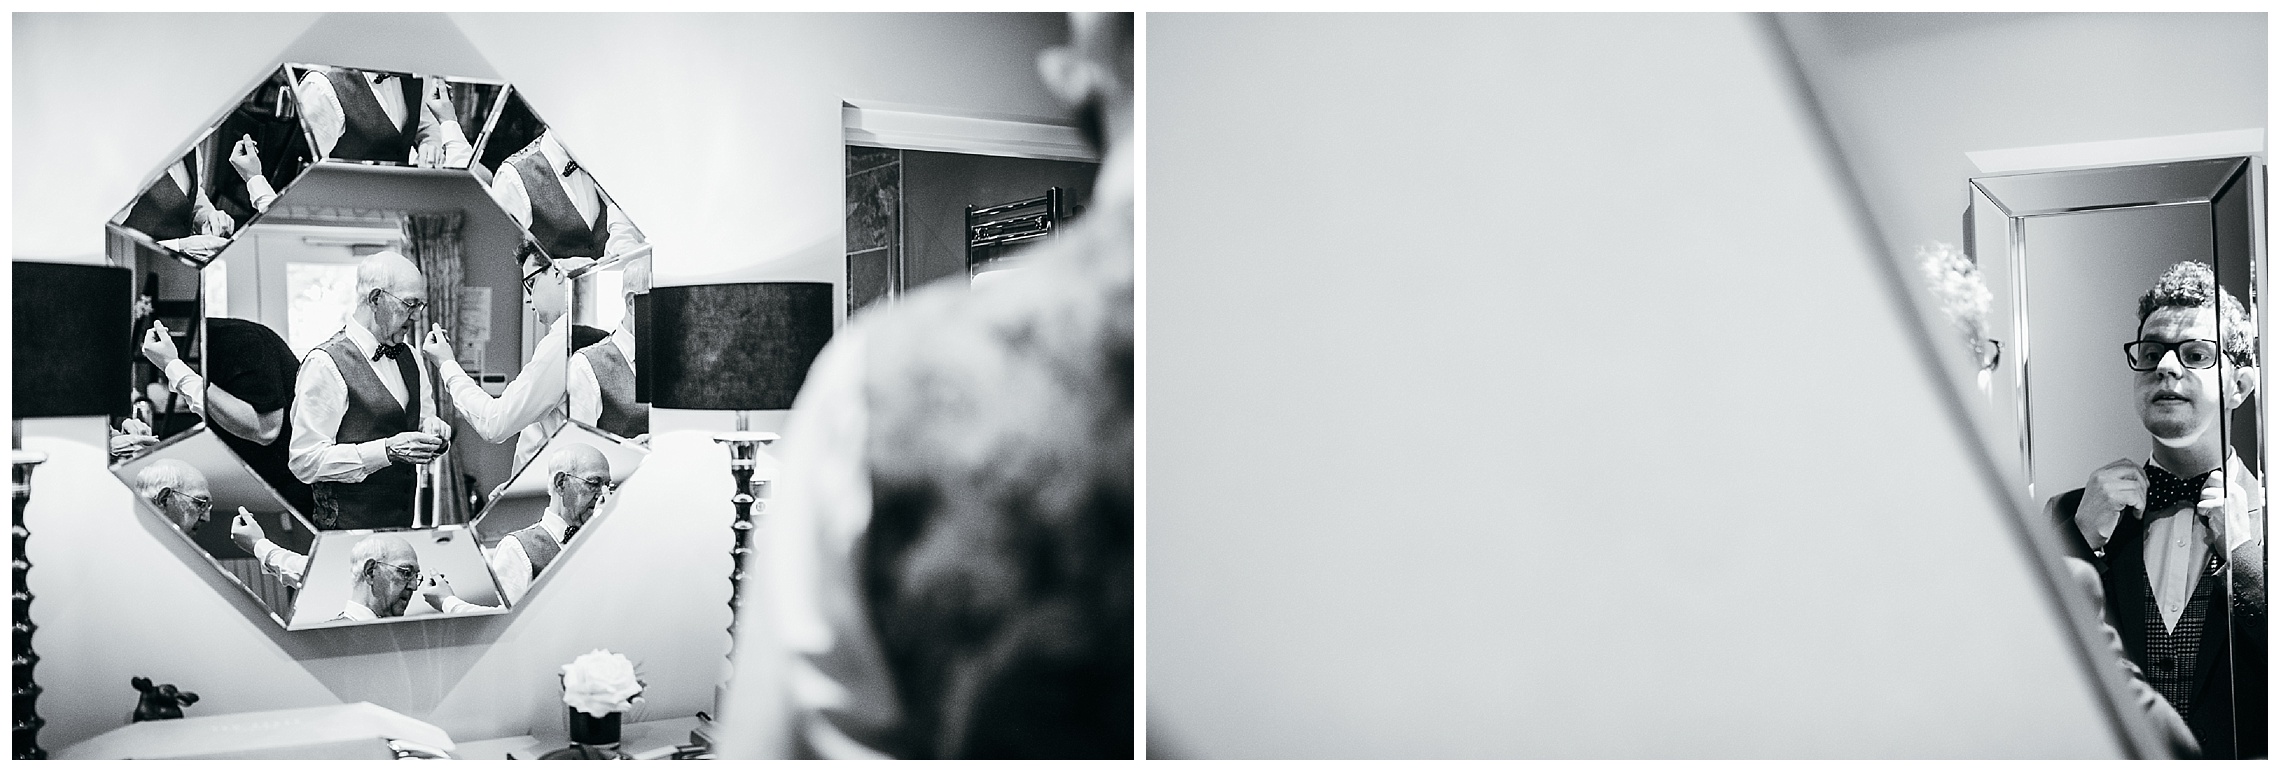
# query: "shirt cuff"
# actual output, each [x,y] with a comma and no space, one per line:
[260,191]
[373,455]
[453,605]
[176,371]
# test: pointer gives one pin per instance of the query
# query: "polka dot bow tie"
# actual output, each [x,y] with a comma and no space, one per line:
[2164,490]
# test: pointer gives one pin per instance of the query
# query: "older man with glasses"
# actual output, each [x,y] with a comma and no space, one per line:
[2178,541]
[367,407]
[178,491]
[384,574]
[578,478]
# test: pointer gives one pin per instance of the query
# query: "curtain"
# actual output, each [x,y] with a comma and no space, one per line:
[432,240]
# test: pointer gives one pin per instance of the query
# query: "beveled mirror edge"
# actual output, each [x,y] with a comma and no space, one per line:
[2222,170]
[2234,168]
[2132,731]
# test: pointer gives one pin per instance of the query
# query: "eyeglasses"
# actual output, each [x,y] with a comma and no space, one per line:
[545,266]
[413,304]
[203,503]
[599,485]
[2146,355]
[406,573]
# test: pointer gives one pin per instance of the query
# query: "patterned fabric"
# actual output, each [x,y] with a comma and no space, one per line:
[2164,490]
[2172,658]
[432,241]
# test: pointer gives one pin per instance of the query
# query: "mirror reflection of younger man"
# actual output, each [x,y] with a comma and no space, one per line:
[2165,535]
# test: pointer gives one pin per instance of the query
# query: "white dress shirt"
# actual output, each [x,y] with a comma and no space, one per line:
[507,189]
[288,566]
[585,388]
[356,612]
[2176,547]
[257,187]
[438,143]
[512,565]
[320,398]
[187,383]
[530,406]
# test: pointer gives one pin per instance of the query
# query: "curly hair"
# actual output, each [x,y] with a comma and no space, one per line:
[2191,284]
[528,251]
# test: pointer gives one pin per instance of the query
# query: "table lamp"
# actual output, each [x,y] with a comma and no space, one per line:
[740,347]
[74,344]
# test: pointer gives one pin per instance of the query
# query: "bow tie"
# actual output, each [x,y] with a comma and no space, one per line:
[391,351]
[570,168]
[381,77]
[569,533]
[2164,490]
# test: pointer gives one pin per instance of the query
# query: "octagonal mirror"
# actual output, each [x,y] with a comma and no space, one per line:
[365,299]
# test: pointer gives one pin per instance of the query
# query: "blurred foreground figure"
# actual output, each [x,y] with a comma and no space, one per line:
[947,569]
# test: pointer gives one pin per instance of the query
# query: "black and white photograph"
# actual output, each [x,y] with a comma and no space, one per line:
[575,386]
[1254,385]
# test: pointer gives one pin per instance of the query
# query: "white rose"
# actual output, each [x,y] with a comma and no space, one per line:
[600,683]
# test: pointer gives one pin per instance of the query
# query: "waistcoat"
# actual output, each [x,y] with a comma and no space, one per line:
[554,220]
[366,132]
[539,546]
[620,414]
[163,211]
[384,498]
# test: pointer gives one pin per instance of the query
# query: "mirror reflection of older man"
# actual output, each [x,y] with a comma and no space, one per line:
[366,406]
[384,575]
[178,491]
[578,477]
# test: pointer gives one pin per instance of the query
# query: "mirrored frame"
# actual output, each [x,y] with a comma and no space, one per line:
[352,196]
[2066,254]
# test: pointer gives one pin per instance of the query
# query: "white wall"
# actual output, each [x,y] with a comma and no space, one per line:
[1911,93]
[1519,386]
[719,134]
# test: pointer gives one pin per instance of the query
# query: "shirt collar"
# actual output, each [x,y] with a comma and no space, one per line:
[624,340]
[556,155]
[364,339]
[553,524]
[356,612]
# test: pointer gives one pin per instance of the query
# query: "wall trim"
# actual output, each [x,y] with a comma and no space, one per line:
[910,127]
[2120,152]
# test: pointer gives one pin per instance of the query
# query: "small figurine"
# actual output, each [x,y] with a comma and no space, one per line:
[160,701]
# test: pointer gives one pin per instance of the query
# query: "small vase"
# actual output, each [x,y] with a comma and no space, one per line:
[590,738]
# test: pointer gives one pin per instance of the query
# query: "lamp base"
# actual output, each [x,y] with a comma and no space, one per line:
[27,721]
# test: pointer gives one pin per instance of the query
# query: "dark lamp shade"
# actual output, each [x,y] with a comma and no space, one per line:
[74,339]
[731,346]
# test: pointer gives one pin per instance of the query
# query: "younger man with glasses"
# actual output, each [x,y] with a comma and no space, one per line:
[2166,535]
[577,477]
[531,407]
[366,406]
